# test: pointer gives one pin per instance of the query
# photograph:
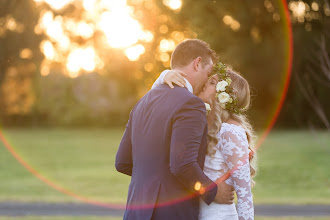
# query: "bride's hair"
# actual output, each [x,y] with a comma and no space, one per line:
[219,115]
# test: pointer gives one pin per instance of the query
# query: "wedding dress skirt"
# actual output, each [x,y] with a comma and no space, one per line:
[217,211]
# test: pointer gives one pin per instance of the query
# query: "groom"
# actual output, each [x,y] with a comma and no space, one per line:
[164,144]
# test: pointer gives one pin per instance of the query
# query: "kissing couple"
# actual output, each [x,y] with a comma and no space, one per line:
[189,147]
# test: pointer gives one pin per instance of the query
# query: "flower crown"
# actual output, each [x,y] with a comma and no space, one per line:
[225,94]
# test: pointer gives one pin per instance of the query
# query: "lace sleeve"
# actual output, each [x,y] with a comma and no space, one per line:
[160,79]
[234,147]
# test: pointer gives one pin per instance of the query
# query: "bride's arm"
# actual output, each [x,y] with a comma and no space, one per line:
[169,77]
[234,147]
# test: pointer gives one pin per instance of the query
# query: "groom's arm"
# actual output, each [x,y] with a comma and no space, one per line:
[124,162]
[189,122]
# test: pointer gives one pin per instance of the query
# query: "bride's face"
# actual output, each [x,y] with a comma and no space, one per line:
[208,92]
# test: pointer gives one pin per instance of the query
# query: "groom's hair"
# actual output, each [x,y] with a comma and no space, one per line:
[190,49]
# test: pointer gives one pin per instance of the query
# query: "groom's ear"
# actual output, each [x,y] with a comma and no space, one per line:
[197,63]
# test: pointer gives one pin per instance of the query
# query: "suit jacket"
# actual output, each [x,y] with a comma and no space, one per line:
[163,149]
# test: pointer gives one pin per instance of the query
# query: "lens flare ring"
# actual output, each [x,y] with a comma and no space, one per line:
[289,57]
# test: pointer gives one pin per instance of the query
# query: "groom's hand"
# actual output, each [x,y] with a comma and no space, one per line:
[225,194]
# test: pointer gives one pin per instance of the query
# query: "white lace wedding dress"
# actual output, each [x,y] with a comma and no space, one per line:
[232,151]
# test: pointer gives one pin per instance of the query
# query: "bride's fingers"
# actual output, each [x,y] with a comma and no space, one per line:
[176,81]
[181,81]
[182,73]
[181,76]
[169,83]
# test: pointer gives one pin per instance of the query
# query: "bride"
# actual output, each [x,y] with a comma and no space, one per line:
[230,155]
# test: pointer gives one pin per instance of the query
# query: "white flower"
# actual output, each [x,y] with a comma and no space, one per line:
[223,97]
[221,86]
[208,107]
[228,80]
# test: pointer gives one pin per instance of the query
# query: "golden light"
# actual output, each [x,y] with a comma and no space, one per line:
[164,57]
[81,59]
[315,6]
[227,20]
[301,19]
[235,26]
[268,4]
[163,29]
[164,45]
[26,53]
[307,8]
[298,8]
[47,49]
[255,35]
[120,29]
[230,21]
[113,4]
[55,4]
[172,45]
[198,186]
[147,36]
[89,5]
[326,10]
[44,68]
[113,19]
[85,30]
[134,53]
[63,43]
[47,18]
[308,27]
[276,17]
[173,4]
[137,2]
[177,36]
[54,29]
[148,67]
[11,23]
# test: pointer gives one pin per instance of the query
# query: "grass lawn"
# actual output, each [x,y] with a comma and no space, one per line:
[293,167]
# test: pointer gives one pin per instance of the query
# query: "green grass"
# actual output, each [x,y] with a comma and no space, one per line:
[293,166]
[80,160]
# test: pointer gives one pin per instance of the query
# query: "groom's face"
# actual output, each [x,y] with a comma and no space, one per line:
[203,74]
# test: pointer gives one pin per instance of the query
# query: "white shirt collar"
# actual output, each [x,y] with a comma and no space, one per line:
[189,86]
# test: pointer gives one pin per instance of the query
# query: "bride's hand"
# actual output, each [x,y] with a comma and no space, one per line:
[176,77]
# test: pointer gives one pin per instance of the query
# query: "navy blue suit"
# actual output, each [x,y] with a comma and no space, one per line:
[163,149]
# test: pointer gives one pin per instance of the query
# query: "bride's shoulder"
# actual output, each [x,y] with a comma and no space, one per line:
[233,122]
[232,129]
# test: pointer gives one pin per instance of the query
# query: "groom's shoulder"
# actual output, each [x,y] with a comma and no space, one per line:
[176,95]
[185,96]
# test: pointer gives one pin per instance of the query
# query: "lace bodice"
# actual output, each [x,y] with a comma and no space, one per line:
[232,153]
